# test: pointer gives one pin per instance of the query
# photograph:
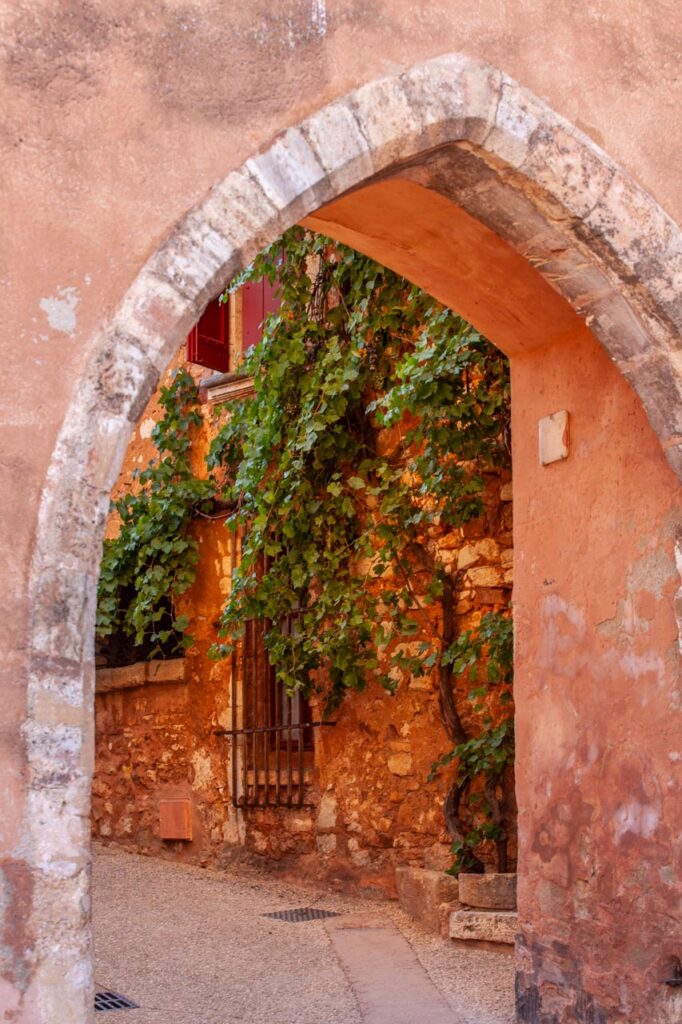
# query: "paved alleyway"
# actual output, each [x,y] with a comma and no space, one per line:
[192,947]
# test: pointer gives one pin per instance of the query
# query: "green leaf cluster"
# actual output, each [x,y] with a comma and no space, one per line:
[153,559]
[375,415]
[376,412]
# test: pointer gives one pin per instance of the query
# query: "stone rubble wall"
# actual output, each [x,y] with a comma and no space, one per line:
[372,806]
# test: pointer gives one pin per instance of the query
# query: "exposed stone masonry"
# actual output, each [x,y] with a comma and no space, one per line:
[372,806]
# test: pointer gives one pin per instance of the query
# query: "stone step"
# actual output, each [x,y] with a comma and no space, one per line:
[422,895]
[493,891]
[499,926]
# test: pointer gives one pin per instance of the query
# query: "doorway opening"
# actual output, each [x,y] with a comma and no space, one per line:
[228,763]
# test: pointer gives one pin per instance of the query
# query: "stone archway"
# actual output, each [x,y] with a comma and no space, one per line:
[554,198]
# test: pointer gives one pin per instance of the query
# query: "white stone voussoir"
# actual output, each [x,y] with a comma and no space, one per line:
[288,171]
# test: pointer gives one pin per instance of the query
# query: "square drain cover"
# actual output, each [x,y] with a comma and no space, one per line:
[113,1001]
[302,914]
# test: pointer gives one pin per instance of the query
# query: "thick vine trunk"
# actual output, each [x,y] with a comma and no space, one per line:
[446,691]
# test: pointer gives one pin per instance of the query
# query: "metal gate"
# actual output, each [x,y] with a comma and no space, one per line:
[271,731]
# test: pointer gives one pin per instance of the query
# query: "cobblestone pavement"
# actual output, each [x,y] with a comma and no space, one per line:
[191,946]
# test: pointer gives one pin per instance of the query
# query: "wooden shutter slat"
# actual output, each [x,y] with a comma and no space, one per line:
[252,314]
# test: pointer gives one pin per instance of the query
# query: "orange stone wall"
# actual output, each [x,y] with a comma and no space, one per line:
[372,806]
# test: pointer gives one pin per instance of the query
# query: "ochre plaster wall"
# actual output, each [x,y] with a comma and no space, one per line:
[372,807]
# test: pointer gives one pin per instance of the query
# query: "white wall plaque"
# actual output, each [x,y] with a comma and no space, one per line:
[553,437]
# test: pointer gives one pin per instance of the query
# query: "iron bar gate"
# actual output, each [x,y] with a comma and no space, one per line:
[271,731]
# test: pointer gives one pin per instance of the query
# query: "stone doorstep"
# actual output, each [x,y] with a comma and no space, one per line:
[493,926]
[142,673]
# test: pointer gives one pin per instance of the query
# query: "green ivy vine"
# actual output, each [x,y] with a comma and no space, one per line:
[376,413]
[153,560]
[486,656]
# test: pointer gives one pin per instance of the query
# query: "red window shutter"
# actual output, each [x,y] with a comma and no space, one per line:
[208,342]
[252,314]
[259,299]
[272,300]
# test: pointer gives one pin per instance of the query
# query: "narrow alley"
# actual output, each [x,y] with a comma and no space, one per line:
[194,946]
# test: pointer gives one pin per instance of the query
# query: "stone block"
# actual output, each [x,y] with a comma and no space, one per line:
[518,118]
[485,576]
[493,891]
[422,893]
[142,673]
[454,96]
[386,118]
[484,926]
[488,549]
[326,815]
[168,670]
[468,555]
[240,208]
[157,316]
[507,558]
[438,857]
[568,165]
[287,170]
[326,844]
[400,764]
[299,823]
[444,911]
[340,146]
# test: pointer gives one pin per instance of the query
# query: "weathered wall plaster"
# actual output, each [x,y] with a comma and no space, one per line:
[597,645]
[104,188]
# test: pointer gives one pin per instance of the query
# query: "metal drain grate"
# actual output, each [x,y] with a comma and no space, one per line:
[302,914]
[113,1001]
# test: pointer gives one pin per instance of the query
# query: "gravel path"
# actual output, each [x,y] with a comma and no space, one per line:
[191,947]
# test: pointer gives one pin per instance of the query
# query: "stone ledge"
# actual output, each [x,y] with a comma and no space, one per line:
[225,387]
[142,673]
[484,926]
[493,891]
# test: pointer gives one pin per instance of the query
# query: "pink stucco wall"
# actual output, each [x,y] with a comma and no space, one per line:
[116,120]
[598,680]
[597,666]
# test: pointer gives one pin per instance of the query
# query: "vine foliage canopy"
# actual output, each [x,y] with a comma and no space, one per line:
[375,415]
